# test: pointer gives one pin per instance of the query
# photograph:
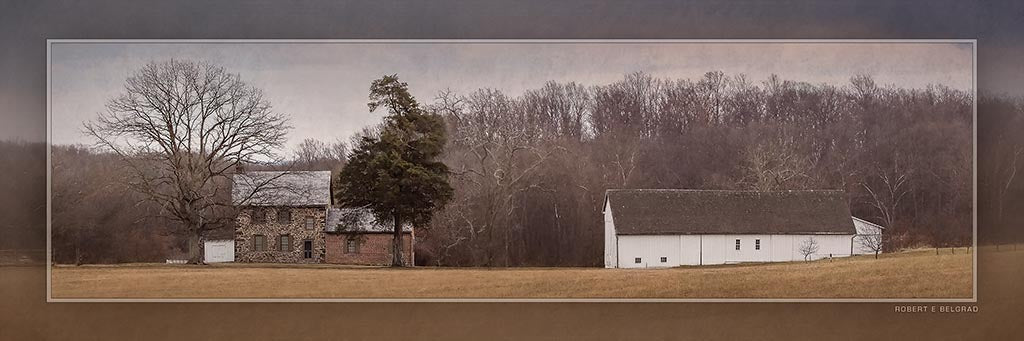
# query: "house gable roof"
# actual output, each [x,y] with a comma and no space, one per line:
[280,188]
[682,211]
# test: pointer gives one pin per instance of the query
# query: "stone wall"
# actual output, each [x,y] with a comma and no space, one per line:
[271,229]
[371,248]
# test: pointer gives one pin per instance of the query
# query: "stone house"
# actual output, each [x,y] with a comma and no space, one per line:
[288,217]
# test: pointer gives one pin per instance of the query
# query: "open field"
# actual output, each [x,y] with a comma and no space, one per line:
[917,274]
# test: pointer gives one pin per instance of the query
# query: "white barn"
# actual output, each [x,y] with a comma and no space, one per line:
[647,228]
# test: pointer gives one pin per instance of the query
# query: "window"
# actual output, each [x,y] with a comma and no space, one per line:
[307,249]
[664,259]
[257,216]
[284,216]
[309,223]
[636,260]
[259,243]
[737,244]
[284,243]
[350,245]
[757,244]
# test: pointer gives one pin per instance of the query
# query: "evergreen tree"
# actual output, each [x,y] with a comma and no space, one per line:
[396,173]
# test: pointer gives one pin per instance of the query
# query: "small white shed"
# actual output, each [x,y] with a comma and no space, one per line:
[219,251]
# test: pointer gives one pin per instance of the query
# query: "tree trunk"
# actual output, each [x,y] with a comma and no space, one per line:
[195,254]
[396,244]
[78,247]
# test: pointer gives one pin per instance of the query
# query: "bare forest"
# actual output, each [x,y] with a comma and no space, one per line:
[529,170]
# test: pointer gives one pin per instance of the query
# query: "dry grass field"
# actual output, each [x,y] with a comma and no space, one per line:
[915,274]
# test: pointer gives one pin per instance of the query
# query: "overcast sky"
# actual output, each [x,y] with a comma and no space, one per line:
[324,86]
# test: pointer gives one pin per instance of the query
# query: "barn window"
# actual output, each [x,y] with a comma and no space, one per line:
[636,260]
[284,216]
[737,244]
[309,223]
[259,243]
[350,245]
[757,244]
[284,242]
[664,259]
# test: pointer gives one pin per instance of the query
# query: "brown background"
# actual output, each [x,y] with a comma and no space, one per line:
[24,26]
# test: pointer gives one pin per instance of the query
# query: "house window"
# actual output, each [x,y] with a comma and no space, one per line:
[737,244]
[664,259]
[350,245]
[284,216]
[257,216]
[284,243]
[636,260]
[307,249]
[309,223]
[757,244]
[259,243]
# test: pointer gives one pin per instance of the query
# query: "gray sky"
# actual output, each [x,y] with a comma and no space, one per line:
[324,86]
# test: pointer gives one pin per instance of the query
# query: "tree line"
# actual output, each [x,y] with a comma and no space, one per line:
[529,171]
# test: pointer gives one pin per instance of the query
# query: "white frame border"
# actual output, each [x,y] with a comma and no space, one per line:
[49,169]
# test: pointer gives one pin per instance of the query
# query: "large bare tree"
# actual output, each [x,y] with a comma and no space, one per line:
[183,128]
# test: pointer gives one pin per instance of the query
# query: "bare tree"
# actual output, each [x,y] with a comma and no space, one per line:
[890,190]
[808,247]
[775,165]
[871,242]
[313,154]
[1007,175]
[183,128]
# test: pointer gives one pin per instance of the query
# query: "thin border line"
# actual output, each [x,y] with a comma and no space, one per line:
[49,169]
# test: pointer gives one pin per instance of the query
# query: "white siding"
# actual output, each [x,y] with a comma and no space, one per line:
[650,250]
[610,238]
[864,228]
[719,249]
[787,247]
[689,250]
[715,248]
[219,251]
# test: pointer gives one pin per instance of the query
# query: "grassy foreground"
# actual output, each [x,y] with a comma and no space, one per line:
[915,274]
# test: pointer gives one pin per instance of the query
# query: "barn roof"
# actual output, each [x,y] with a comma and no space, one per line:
[683,211]
[357,220]
[281,188]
